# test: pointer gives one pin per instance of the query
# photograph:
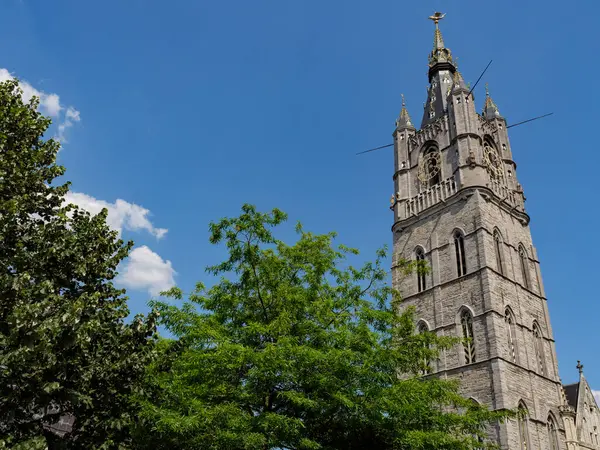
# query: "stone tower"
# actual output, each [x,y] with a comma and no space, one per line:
[459,206]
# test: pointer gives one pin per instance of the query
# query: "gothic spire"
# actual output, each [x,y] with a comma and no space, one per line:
[403,120]
[441,69]
[438,39]
[440,54]
[490,110]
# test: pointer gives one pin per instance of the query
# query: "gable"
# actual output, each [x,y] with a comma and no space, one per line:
[588,414]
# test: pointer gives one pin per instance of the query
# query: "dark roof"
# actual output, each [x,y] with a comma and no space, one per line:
[572,393]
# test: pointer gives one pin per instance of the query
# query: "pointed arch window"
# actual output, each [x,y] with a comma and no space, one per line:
[421,270]
[498,250]
[492,160]
[524,261]
[511,337]
[459,249]
[466,322]
[552,434]
[539,348]
[422,328]
[523,424]
[430,169]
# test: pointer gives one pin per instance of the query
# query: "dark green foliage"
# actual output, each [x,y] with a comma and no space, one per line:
[64,345]
[290,350]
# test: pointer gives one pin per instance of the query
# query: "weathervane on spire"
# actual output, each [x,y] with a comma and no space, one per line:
[439,54]
[580,366]
[437,16]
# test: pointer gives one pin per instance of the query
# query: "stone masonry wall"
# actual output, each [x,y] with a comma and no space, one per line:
[494,379]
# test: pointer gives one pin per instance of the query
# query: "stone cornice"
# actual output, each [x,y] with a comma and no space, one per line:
[483,362]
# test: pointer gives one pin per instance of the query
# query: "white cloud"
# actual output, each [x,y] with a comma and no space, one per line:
[145,270]
[121,214]
[597,396]
[71,116]
[49,104]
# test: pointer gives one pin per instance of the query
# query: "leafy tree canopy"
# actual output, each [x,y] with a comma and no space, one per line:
[65,349]
[294,349]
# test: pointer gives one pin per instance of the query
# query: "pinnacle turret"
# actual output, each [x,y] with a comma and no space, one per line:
[490,110]
[404,120]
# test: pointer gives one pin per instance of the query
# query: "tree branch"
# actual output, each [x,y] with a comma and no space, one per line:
[262,303]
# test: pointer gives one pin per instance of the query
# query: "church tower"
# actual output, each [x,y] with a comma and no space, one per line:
[459,206]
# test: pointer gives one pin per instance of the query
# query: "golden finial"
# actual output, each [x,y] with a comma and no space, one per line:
[437,16]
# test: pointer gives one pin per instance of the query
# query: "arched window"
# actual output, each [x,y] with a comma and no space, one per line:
[459,249]
[430,169]
[524,266]
[421,269]
[466,322]
[539,348]
[511,338]
[422,328]
[523,424]
[492,160]
[499,254]
[552,434]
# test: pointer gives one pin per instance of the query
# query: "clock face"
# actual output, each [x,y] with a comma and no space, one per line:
[492,161]
[430,167]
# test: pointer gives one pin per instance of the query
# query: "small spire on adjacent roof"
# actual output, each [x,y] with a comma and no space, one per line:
[403,120]
[440,53]
[490,110]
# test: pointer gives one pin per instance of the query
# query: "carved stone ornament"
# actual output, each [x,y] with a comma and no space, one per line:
[487,127]
[412,141]
[471,159]
[429,132]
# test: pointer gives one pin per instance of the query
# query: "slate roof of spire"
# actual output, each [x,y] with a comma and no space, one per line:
[404,120]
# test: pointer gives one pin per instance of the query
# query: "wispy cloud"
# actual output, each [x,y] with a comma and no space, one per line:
[597,396]
[146,270]
[71,117]
[49,104]
[121,214]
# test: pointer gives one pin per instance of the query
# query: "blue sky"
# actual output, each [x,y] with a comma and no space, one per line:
[184,110]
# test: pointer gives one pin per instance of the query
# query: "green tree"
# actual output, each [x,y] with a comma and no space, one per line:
[65,348]
[292,350]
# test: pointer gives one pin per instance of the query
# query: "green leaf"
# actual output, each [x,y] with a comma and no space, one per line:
[294,347]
